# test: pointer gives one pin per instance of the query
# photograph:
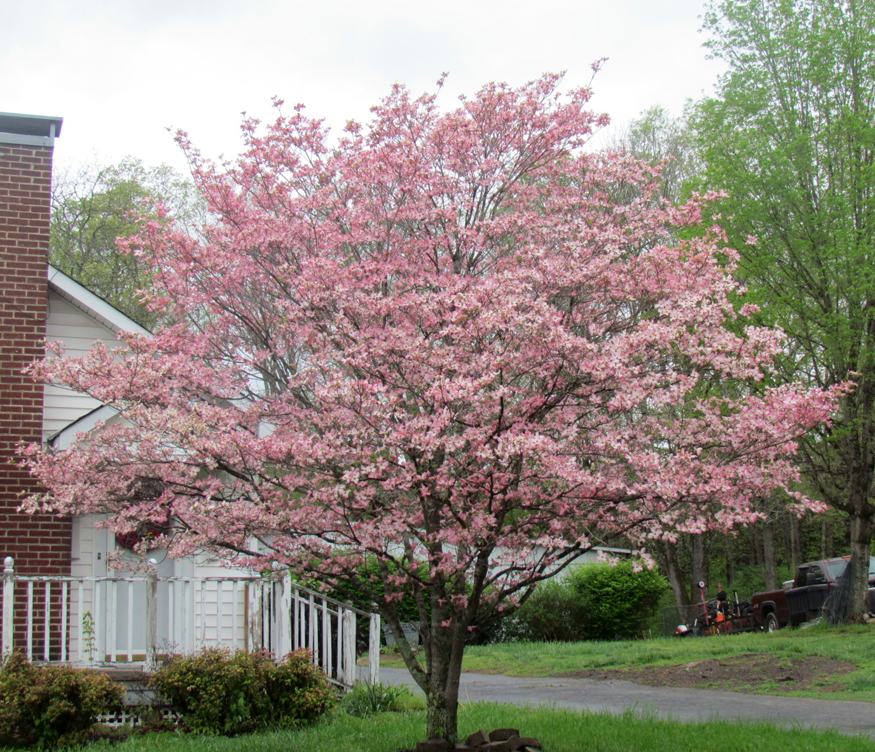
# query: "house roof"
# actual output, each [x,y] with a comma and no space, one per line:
[93,305]
[109,316]
[65,437]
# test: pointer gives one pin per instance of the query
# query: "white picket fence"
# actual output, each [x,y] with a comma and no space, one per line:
[143,619]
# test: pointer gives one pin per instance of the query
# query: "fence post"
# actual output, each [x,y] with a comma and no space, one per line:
[374,649]
[255,613]
[312,643]
[349,667]
[286,622]
[8,605]
[152,616]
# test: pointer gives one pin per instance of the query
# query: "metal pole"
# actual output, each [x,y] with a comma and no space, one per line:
[8,604]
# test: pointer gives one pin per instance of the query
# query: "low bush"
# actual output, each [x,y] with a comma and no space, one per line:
[368,699]
[52,706]
[552,613]
[370,587]
[593,602]
[218,692]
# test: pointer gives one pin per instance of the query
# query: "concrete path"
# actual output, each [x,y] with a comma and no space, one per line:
[610,696]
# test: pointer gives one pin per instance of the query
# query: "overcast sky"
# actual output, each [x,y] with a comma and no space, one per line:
[121,72]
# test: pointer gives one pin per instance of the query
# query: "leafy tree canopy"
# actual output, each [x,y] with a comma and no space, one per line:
[94,205]
[662,140]
[791,138]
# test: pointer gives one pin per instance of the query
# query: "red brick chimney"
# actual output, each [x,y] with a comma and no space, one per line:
[39,544]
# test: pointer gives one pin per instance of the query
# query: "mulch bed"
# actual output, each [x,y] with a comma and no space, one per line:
[748,672]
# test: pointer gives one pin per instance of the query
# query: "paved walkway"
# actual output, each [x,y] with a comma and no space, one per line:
[610,696]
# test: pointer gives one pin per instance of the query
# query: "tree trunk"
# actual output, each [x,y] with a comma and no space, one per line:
[769,562]
[442,690]
[444,646]
[699,568]
[824,533]
[861,542]
[860,462]
[753,549]
[673,572]
[729,553]
[442,709]
[795,541]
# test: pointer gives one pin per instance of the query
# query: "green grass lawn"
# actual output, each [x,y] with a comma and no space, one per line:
[855,644]
[558,730]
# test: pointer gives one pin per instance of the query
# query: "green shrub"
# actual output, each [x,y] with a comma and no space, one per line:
[552,613]
[593,602]
[615,600]
[370,588]
[218,692]
[52,706]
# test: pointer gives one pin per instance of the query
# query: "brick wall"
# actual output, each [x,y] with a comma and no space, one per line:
[40,544]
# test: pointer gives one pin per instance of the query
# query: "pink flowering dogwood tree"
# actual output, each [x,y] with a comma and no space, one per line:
[436,344]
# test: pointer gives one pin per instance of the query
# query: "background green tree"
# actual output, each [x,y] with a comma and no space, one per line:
[762,555]
[790,136]
[94,205]
[667,141]
[664,140]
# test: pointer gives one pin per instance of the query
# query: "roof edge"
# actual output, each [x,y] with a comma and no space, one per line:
[64,438]
[92,304]
[48,126]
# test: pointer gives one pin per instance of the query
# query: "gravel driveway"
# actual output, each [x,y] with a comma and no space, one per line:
[614,696]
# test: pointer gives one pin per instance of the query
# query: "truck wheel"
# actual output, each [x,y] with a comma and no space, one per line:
[772,622]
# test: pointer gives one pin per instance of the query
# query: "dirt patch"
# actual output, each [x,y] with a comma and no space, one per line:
[749,672]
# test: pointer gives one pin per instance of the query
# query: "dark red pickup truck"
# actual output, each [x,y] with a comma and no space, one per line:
[803,599]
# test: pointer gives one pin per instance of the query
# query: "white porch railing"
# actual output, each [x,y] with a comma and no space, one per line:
[91,621]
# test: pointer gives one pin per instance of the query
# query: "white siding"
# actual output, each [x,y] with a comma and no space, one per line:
[78,331]
[213,604]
